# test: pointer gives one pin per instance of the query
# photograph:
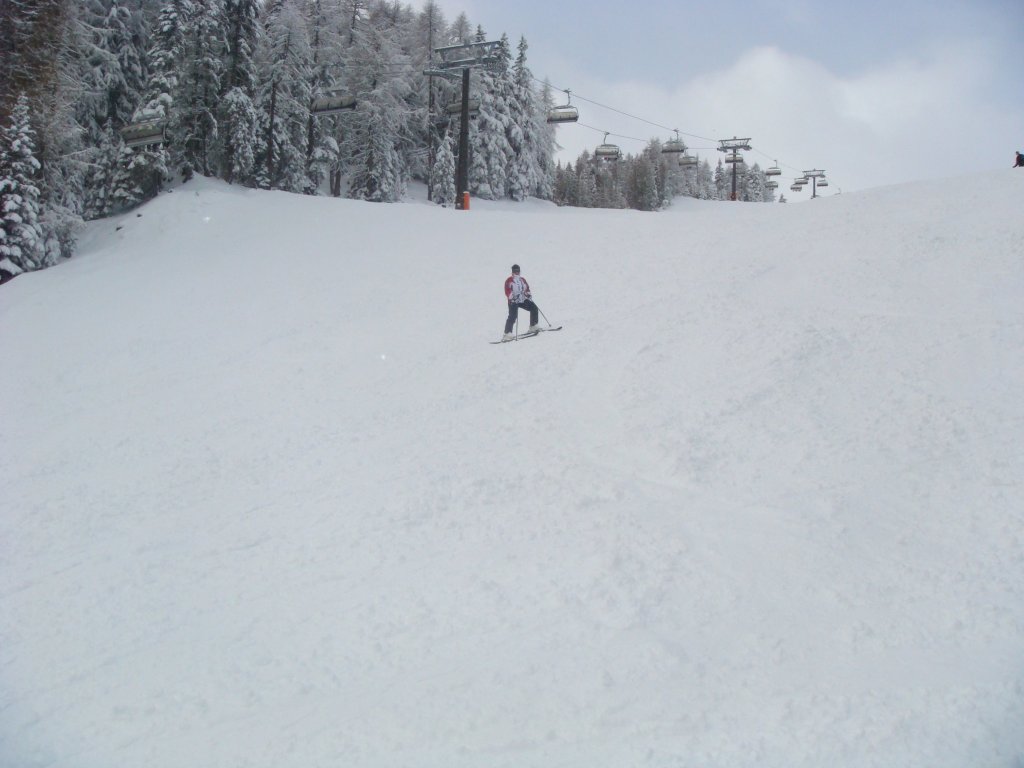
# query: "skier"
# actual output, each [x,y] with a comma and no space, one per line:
[1020,161]
[517,292]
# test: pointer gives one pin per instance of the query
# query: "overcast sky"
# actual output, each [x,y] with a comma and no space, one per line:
[873,92]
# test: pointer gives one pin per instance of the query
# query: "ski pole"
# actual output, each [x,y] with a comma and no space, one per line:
[544,316]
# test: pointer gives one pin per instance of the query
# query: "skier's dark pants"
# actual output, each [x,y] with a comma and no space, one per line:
[513,313]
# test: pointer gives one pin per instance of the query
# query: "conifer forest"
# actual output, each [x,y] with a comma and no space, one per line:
[104,103]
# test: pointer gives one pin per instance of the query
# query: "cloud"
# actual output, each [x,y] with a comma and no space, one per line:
[919,117]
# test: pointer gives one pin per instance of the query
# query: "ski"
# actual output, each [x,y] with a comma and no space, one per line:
[526,335]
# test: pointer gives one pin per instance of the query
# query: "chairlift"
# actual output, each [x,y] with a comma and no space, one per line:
[687,161]
[822,183]
[606,151]
[564,113]
[145,132]
[737,159]
[442,73]
[455,107]
[674,146]
[797,187]
[771,184]
[773,171]
[800,181]
[333,103]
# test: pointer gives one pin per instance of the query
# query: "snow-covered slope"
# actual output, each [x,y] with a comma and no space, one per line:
[271,500]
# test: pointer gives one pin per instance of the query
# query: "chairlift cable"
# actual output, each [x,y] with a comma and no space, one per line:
[609,133]
[656,125]
[772,158]
[621,112]
[408,67]
[411,67]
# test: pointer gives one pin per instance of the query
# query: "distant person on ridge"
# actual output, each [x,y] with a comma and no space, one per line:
[1020,161]
[517,291]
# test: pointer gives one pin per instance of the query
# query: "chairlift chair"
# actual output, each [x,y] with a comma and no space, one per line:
[797,187]
[687,161]
[773,171]
[771,184]
[564,113]
[333,103]
[822,183]
[674,146]
[737,159]
[606,151]
[145,132]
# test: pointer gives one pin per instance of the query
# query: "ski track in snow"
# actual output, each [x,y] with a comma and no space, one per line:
[271,500]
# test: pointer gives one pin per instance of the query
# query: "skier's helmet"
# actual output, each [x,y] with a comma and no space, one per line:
[515,268]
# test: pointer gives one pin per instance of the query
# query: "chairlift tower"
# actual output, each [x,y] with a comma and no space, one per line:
[732,147]
[817,179]
[465,57]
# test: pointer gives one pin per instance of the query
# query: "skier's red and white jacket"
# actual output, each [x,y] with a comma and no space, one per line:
[517,290]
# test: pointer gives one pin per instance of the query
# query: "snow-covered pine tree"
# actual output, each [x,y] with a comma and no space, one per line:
[398,22]
[660,162]
[38,60]
[31,38]
[150,167]
[377,173]
[353,15]
[21,246]
[540,135]
[610,178]
[490,150]
[443,173]
[564,190]
[522,170]
[642,183]
[586,182]
[479,178]
[671,178]
[284,61]
[166,55]
[325,44]
[130,184]
[109,79]
[512,110]
[754,189]
[430,32]
[382,124]
[241,25]
[237,116]
[705,181]
[110,69]
[393,16]
[461,30]
[101,175]
[201,86]
[239,121]
[723,182]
